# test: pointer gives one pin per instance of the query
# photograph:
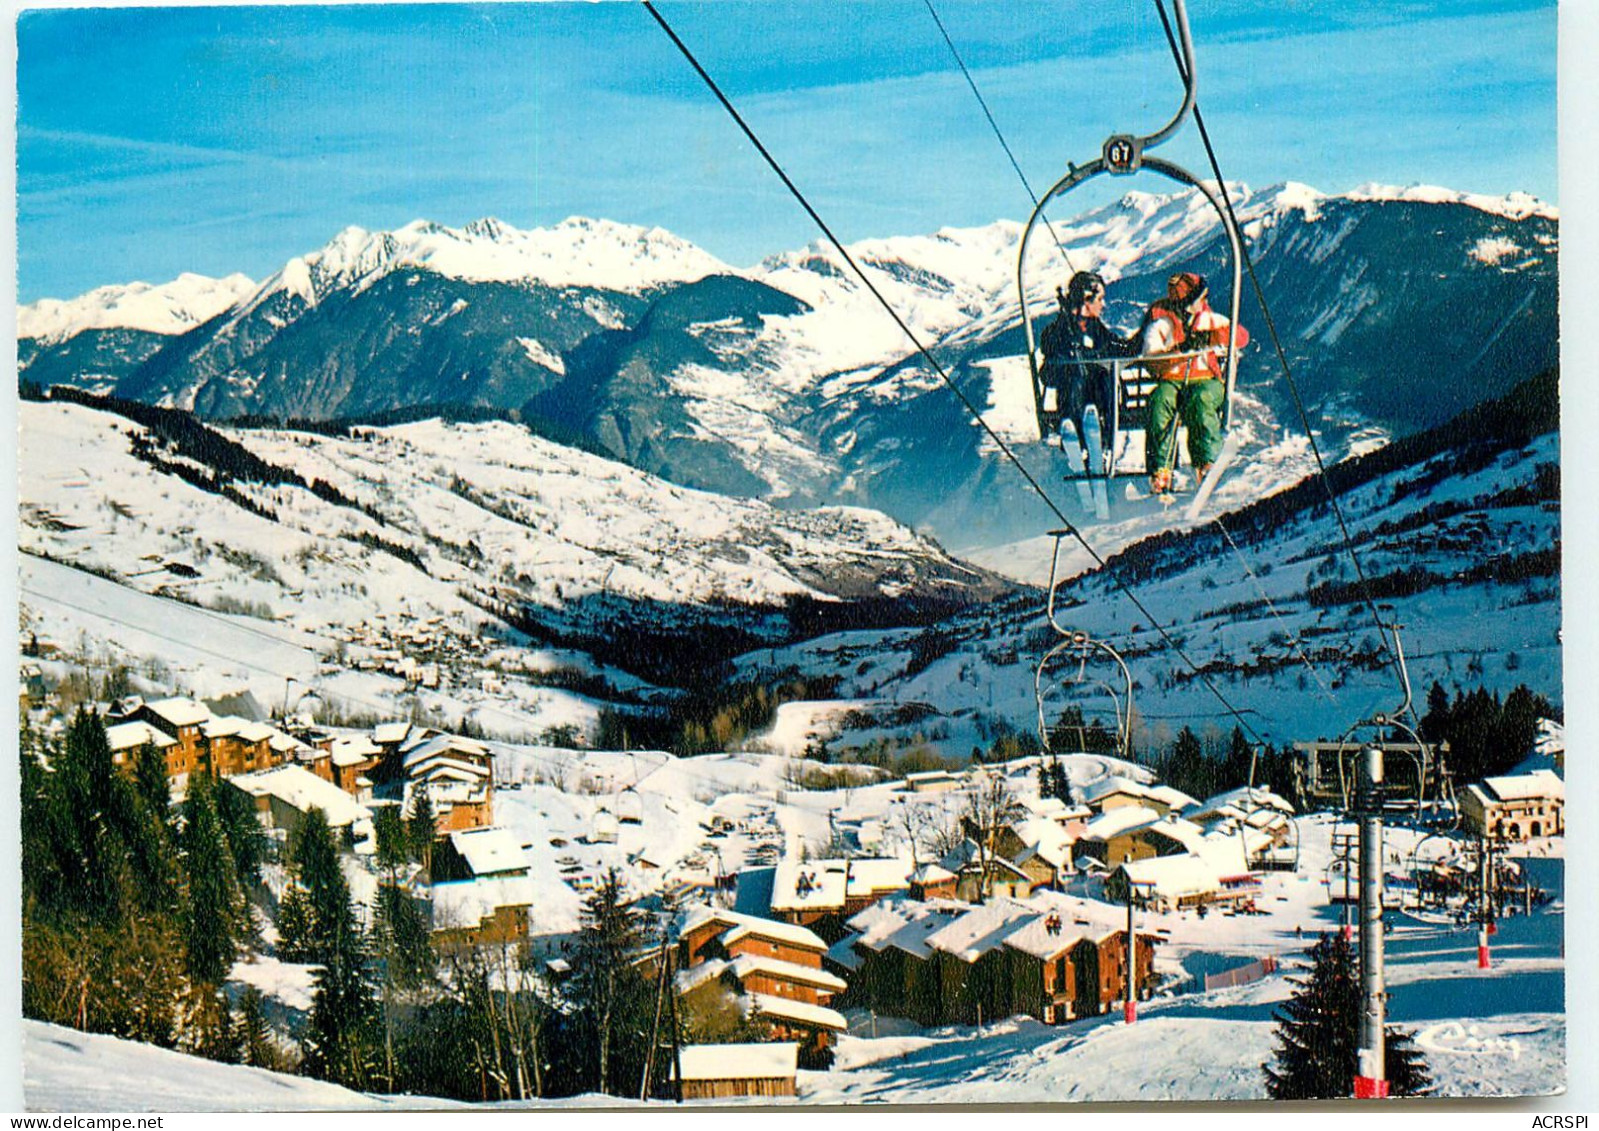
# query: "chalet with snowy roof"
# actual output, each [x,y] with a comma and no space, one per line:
[888,959]
[776,967]
[479,854]
[354,759]
[1237,805]
[128,739]
[821,894]
[932,881]
[1516,807]
[1115,792]
[491,910]
[317,759]
[1117,835]
[285,794]
[933,781]
[717,1072]
[181,719]
[1054,809]
[457,773]
[946,963]
[236,745]
[981,875]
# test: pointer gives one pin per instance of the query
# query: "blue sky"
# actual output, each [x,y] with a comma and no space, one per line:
[152,141]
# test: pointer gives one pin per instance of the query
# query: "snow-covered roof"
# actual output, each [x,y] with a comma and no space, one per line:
[390,733]
[741,926]
[489,851]
[466,903]
[1238,802]
[802,1012]
[980,930]
[692,977]
[820,884]
[445,744]
[1173,876]
[302,790]
[910,935]
[1171,796]
[226,726]
[1033,937]
[442,765]
[1122,819]
[1185,833]
[1522,787]
[746,964]
[352,749]
[180,712]
[284,743]
[1045,839]
[768,1061]
[1112,785]
[931,874]
[127,736]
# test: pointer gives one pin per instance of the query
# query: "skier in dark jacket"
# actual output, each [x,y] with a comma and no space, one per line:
[1076,336]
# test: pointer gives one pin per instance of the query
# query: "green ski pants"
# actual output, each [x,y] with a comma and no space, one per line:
[1199,404]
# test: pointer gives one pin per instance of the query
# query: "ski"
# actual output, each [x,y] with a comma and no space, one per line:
[1229,451]
[1074,460]
[1094,444]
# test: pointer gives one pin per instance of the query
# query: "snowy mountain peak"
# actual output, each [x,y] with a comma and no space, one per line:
[166,308]
[1513,206]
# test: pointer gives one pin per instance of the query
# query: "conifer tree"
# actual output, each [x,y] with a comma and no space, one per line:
[393,847]
[321,878]
[341,1039]
[247,841]
[256,1047]
[295,941]
[1318,1034]
[422,827]
[213,904]
[613,1001]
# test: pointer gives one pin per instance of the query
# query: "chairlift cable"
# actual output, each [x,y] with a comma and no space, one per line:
[1282,356]
[981,101]
[938,369]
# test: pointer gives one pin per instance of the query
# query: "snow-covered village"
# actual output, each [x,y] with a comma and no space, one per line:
[1066,659]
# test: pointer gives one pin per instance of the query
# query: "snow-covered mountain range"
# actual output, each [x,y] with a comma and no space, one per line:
[786,381]
[444,542]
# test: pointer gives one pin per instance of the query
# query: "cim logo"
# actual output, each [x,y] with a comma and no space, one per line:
[1560,1121]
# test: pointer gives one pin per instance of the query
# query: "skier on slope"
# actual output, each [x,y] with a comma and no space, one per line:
[1076,336]
[1188,387]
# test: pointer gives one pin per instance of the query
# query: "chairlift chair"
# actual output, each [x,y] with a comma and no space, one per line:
[1109,445]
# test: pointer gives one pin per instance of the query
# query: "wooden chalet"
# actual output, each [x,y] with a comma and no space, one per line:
[354,758]
[180,719]
[458,775]
[735,1071]
[933,881]
[285,794]
[128,739]
[821,894]
[776,966]
[478,854]
[235,745]
[481,911]
[945,963]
